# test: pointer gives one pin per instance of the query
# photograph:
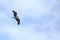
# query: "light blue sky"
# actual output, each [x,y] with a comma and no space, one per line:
[40,20]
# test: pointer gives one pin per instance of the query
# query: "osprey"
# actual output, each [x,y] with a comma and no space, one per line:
[16,17]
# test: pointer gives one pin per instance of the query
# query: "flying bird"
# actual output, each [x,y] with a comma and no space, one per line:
[16,17]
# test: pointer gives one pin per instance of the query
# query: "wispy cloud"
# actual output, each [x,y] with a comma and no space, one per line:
[39,20]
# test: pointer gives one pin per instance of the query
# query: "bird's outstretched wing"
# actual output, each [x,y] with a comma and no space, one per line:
[15,13]
[18,20]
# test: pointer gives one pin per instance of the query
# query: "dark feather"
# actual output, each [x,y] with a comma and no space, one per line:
[15,13]
[18,21]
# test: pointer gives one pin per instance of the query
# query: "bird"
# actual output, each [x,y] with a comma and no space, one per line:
[16,17]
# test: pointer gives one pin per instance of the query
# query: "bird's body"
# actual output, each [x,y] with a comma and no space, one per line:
[16,17]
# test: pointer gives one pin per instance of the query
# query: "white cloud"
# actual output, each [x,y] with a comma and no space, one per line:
[4,2]
[3,15]
[28,33]
[40,12]
[35,7]
[31,8]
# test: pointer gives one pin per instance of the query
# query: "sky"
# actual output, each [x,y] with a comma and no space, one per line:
[40,20]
